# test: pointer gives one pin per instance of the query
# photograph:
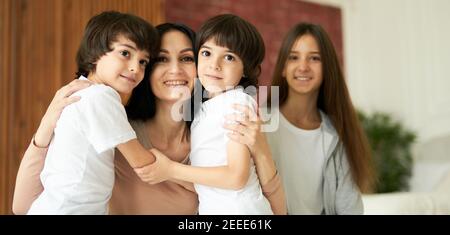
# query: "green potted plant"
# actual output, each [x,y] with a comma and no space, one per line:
[391,149]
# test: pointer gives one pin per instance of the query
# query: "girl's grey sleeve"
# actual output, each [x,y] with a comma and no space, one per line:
[348,196]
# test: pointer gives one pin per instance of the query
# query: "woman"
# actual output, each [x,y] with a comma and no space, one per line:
[320,149]
[149,111]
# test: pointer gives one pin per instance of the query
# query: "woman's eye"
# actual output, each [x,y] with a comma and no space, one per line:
[161,59]
[292,57]
[315,58]
[144,63]
[229,57]
[205,53]
[187,59]
[125,53]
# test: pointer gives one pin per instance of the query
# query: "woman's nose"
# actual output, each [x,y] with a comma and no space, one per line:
[174,68]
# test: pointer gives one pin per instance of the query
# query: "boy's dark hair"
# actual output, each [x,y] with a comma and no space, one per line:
[142,103]
[241,37]
[103,29]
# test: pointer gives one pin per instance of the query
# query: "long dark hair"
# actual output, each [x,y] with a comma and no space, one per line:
[142,103]
[334,100]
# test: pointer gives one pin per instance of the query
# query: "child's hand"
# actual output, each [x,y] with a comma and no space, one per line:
[60,101]
[156,172]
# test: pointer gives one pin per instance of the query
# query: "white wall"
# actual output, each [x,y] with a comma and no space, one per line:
[397,60]
[397,53]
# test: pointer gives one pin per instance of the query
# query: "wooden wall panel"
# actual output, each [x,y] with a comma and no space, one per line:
[5,82]
[39,40]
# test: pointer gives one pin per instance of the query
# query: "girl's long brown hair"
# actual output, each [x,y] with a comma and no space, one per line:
[334,100]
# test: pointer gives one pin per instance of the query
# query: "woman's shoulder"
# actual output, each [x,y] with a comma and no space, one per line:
[141,132]
[137,124]
[328,124]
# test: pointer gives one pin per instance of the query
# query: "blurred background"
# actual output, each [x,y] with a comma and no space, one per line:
[395,55]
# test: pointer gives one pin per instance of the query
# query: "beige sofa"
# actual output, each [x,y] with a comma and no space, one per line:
[435,202]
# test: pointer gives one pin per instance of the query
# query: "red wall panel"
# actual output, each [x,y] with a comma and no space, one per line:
[272,18]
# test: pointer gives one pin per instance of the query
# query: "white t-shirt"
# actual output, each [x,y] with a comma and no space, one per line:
[78,174]
[208,149]
[300,159]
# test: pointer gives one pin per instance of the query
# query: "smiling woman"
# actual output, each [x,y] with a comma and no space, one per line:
[174,71]
[214,156]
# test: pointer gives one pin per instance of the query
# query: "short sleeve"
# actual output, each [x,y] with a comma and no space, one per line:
[103,119]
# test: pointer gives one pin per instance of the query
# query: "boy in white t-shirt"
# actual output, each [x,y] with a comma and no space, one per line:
[230,54]
[78,175]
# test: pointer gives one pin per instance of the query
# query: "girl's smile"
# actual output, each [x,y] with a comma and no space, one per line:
[303,69]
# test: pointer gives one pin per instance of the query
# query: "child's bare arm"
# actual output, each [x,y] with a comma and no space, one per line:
[136,155]
[232,176]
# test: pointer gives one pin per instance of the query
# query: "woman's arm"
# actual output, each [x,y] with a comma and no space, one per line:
[28,183]
[269,178]
[61,99]
[248,131]
[274,192]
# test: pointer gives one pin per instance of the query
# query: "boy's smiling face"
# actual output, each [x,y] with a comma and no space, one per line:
[219,68]
[123,68]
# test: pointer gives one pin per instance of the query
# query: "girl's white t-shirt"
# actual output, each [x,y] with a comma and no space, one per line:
[300,159]
[78,174]
[208,149]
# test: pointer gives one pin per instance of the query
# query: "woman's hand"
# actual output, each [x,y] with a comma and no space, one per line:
[61,99]
[247,130]
[158,171]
